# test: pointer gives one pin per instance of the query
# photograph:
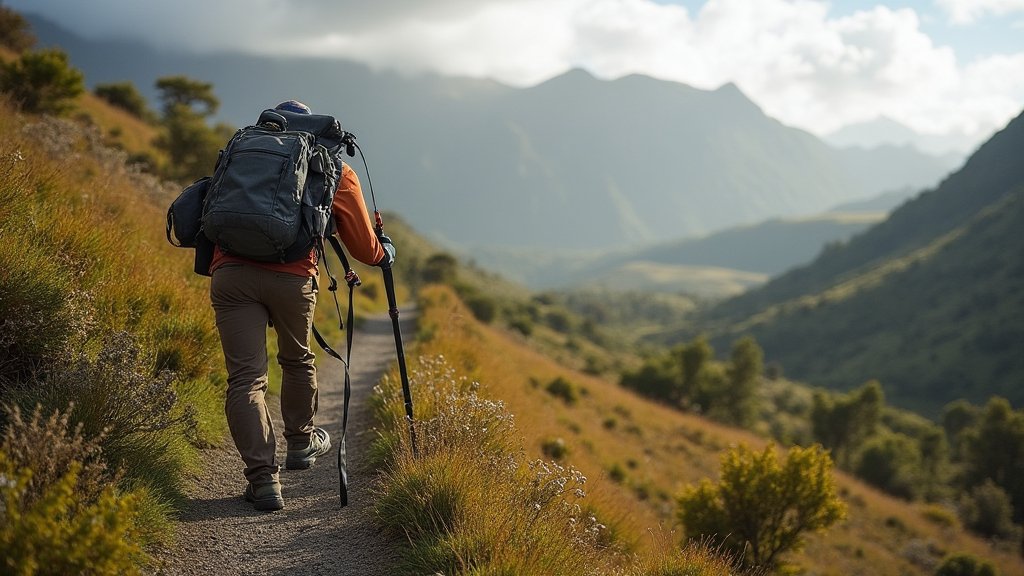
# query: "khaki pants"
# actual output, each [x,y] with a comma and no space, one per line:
[244,299]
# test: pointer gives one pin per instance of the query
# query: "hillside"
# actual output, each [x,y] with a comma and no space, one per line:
[930,302]
[637,455]
[573,163]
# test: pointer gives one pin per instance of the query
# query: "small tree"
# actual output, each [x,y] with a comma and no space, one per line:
[695,358]
[760,509]
[187,138]
[987,510]
[842,424]
[995,450]
[42,82]
[738,402]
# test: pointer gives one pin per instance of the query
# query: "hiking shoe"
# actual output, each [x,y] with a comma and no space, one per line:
[319,444]
[265,496]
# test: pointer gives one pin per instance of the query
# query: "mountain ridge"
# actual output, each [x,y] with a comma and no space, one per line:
[930,301]
[477,163]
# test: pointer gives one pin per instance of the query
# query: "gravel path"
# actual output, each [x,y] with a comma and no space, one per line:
[219,533]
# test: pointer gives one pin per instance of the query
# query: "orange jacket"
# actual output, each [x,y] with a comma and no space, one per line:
[352,223]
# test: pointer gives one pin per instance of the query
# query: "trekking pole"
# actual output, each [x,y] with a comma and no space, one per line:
[389,288]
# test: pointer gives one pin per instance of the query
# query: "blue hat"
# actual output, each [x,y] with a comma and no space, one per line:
[294,106]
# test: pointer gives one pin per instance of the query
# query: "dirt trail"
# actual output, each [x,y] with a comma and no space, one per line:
[219,533]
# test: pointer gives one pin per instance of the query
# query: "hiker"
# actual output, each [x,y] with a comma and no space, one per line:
[247,295]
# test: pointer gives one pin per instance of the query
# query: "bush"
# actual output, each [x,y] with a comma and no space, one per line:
[892,462]
[564,389]
[987,510]
[521,324]
[484,308]
[60,511]
[554,448]
[440,268]
[134,414]
[965,565]
[759,509]
[42,82]
[14,31]
[126,96]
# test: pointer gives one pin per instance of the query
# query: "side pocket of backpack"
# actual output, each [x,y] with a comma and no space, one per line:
[184,216]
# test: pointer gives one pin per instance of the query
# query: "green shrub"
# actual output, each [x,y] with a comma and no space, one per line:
[760,509]
[60,509]
[521,324]
[941,515]
[554,448]
[564,389]
[441,268]
[558,320]
[987,510]
[42,82]
[965,565]
[14,31]
[126,96]
[133,414]
[617,473]
[483,307]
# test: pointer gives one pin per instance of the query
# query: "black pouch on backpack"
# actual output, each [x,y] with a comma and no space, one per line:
[184,217]
[204,256]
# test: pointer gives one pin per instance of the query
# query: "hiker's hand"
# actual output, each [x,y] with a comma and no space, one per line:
[389,251]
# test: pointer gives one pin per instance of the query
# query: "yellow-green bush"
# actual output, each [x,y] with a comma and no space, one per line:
[61,511]
[761,509]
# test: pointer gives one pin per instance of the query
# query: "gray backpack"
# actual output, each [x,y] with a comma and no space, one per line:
[270,195]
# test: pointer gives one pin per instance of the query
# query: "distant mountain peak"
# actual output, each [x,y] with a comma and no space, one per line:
[883,130]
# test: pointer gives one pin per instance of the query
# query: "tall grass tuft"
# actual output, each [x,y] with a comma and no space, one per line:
[470,502]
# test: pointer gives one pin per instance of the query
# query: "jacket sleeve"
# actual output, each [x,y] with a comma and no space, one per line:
[353,220]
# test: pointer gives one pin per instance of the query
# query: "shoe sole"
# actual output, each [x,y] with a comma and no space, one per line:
[299,464]
[268,505]
[265,504]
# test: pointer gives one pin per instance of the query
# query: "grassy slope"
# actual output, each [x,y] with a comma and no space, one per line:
[928,301]
[659,450]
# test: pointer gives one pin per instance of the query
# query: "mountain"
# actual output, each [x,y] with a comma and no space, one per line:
[884,130]
[573,163]
[717,265]
[930,301]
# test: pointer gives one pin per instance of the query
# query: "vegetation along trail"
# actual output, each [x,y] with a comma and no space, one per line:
[220,533]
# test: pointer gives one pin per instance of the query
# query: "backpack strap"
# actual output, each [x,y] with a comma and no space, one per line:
[352,279]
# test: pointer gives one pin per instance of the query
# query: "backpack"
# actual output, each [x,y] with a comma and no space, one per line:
[270,195]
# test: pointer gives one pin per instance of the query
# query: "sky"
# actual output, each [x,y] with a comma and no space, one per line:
[950,68]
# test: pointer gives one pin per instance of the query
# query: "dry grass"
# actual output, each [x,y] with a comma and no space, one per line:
[637,455]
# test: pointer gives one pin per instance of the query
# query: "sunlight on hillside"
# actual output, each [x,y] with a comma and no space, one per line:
[637,455]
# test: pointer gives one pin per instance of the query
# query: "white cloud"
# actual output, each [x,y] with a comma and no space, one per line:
[802,65]
[969,11]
